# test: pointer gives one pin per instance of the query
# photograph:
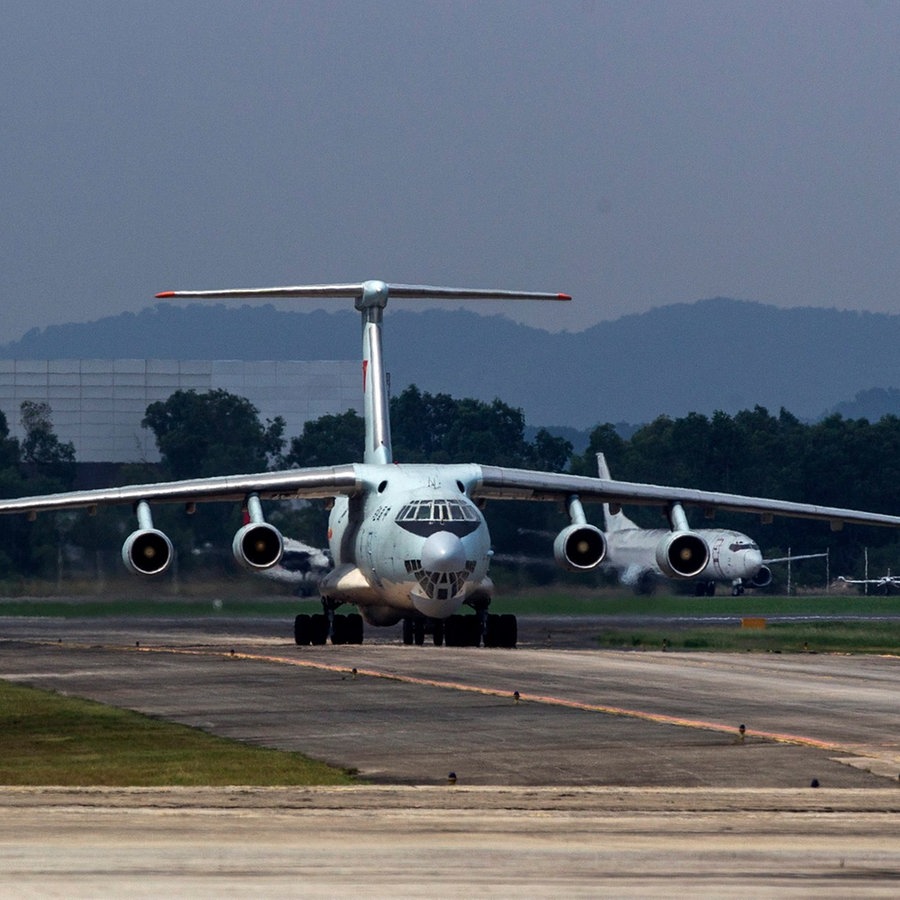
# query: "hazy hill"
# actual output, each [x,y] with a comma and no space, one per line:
[713,354]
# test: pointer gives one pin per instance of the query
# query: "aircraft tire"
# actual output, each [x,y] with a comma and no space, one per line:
[318,633]
[418,632]
[302,630]
[438,633]
[493,636]
[355,631]
[454,631]
[408,631]
[508,631]
[339,630]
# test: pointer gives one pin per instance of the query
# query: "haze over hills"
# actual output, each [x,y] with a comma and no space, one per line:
[717,354]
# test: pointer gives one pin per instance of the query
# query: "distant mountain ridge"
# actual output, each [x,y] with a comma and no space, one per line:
[716,354]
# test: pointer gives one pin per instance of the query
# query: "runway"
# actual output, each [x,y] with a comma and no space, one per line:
[607,761]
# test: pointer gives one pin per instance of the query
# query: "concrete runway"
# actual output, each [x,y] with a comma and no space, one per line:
[615,772]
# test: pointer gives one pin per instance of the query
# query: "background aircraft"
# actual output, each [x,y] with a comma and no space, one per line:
[301,565]
[642,556]
[409,541]
[887,584]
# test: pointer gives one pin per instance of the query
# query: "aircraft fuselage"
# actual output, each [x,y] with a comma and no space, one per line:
[411,541]
[732,555]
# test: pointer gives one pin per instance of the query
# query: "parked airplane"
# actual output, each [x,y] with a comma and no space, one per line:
[408,541]
[641,557]
[301,566]
[887,584]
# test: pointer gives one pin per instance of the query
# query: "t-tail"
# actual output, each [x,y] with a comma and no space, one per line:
[370,298]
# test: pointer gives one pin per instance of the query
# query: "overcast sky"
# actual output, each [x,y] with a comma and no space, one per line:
[633,154]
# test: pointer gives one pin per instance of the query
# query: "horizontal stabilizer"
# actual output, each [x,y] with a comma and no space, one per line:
[361,289]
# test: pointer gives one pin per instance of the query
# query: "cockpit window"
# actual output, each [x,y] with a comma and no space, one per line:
[424,517]
[436,511]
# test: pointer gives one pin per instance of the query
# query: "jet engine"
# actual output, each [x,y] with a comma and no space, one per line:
[258,545]
[147,551]
[579,547]
[763,578]
[682,554]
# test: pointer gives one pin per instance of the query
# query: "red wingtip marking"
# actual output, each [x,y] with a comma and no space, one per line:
[563,297]
[165,294]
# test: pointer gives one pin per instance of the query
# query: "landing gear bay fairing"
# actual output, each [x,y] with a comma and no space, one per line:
[407,542]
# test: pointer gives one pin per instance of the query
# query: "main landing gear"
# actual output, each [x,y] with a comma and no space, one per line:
[463,631]
[482,627]
[317,628]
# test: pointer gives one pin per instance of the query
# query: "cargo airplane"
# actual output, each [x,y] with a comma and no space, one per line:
[407,541]
[641,556]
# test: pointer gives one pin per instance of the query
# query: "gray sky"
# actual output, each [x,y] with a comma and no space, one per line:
[633,154]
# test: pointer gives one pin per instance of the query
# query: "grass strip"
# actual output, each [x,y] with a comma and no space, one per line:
[46,738]
[779,637]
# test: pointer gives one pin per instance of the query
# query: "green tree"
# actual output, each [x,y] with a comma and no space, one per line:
[50,459]
[328,441]
[214,433]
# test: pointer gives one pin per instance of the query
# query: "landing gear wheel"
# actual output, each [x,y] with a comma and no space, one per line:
[339,629]
[302,630]
[318,634]
[509,631]
[354,628]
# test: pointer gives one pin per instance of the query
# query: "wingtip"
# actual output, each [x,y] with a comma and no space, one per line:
[563,297]
[164,294]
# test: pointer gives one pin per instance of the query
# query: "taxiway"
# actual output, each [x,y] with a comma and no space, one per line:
[616,771]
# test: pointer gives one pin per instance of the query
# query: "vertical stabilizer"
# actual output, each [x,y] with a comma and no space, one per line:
[612,521]
[376,403]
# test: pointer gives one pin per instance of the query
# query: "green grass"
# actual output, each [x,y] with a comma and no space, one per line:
[618,603]
[536,601]
[49,739]
[117,605]
[779,637]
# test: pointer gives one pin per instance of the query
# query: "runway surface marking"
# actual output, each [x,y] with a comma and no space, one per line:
[523,697]
[849,749]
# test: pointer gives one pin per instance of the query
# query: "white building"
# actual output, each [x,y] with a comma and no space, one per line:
[98,404]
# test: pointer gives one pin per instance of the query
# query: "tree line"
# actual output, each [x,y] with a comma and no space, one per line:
[835,462]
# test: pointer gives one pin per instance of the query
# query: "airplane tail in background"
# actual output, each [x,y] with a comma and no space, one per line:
[370,298]
[612,521]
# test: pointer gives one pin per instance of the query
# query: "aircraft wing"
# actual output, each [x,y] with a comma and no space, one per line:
[781,559]
[292,484]
[521,484]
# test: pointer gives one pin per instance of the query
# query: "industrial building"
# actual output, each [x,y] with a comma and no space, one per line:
[98,404]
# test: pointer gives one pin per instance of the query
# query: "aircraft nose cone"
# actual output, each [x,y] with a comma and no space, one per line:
[443,552]
[753,560]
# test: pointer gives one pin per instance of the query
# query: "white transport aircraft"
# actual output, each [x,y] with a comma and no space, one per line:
[407,541]
[643,556]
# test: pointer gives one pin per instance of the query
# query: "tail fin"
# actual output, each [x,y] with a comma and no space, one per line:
[370,298]
[613,521]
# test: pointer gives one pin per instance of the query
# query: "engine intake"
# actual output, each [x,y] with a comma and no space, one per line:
[579,548]
[258,545]
[682,554]
[763,578]
[147,551]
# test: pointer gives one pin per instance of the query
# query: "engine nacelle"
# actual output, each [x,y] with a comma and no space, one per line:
[258,545]
[147,552]
[579,548]
[682,554]
[763,578]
